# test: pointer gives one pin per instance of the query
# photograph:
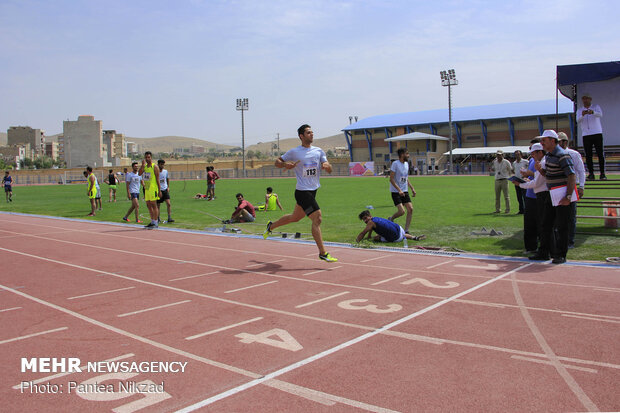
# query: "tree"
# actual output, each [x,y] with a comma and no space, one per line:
[330,153]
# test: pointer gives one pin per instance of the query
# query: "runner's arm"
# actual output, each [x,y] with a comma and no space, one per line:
[368,230]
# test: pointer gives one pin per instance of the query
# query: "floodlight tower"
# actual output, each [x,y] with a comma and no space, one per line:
[449,79]
[242,105]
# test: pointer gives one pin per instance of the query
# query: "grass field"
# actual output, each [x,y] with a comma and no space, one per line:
[446,209]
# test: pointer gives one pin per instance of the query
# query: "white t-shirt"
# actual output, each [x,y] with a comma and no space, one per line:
[134,182]
[517,166]
[163,179]
[401,174]
[308,170]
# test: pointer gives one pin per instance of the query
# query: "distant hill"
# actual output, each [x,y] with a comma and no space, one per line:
[167,143]
[326,144]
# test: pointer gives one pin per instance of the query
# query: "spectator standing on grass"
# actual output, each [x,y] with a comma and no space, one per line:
[307,160]
[558,171]
[212,176]
[531,224]
[589,117]
[164,184]
[133,182]
[399,187]
[152,192]
[538,185]
[503,170]
[580,172]
[91,192]
[519,164]
[111,180]
[7,182]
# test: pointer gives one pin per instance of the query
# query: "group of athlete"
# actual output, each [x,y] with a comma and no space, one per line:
[151,178]
[308,161]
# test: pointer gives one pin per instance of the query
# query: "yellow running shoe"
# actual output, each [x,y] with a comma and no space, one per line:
[328,257]
[268,230]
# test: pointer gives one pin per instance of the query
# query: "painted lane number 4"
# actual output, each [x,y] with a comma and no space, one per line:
[284,340]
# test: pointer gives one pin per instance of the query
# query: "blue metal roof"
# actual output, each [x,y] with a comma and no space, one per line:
[499,111]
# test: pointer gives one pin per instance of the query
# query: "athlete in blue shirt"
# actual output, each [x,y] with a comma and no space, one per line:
[387,231]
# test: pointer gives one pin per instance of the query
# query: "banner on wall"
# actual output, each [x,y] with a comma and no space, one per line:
[361,168]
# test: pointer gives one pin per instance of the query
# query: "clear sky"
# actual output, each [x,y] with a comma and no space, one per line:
[151,68]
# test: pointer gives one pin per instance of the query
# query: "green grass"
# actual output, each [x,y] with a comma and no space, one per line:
[446,209]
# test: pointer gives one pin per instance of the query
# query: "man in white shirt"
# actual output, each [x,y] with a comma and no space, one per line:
[517,166]
[132,183]
[539,186]
[503,171]
[580,172]
[307,160]
[399,187]
[589,119]
[164,184]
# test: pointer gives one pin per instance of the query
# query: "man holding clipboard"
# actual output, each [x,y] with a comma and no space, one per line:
[560,176]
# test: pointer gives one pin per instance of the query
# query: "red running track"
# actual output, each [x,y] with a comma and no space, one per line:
[265,326]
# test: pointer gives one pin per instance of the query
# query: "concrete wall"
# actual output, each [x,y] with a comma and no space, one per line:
[83,144]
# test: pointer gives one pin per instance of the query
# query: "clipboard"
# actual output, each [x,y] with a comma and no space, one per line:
[559,192]
[515,179]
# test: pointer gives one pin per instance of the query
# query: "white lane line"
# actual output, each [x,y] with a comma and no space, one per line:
[318,271]
[437,265]
[611,290]
[570,381]
[341,346]
[217,330]
[568,366]
[99,293]
[323,398]
[153,308]
[375,258]
[133,336]
[194,276]
[591,318]
[251,286]
[264,263]
[390,279]
[321,299]
[310,255]
[10,309]
[9,340]
[55,376]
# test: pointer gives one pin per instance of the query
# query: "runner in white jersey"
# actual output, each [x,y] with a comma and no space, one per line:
[164,184]
[307,160]
[399,185]
[132,184]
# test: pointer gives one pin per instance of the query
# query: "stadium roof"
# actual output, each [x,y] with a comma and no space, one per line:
[499,111]
[416,136]
[488,150]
